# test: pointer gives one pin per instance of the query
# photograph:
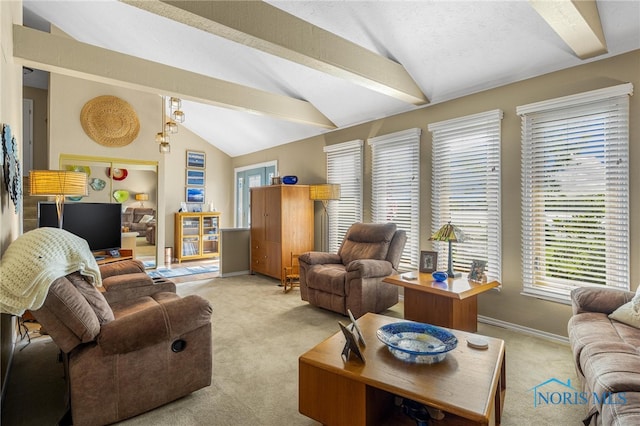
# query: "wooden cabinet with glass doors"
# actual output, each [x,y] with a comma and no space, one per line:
[197,235]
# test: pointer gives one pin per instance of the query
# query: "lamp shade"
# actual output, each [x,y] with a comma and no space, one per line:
[448,232]
[324,192]
[57,182]
[142,197]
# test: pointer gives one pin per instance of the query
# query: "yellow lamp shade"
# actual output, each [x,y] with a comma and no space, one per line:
[57,182]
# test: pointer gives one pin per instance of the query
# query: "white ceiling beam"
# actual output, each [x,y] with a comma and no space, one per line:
[66,56]
[577,22]
[264,27]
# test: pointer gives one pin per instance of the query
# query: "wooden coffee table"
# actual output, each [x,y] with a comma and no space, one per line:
[468,385]
[452,303]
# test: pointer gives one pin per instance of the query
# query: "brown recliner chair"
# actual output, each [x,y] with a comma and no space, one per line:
[128,357]
[352,278]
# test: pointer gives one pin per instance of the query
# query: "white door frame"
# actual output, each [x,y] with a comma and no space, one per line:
[237,170]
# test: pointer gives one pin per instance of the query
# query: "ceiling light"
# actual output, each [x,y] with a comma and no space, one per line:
[169,126]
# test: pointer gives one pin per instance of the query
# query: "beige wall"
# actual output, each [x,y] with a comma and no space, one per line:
[307,160]
[11,114]
[67,96]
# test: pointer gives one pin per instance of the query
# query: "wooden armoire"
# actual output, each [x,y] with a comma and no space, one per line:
[281,224]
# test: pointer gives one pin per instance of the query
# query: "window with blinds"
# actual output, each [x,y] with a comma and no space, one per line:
[396,187]
[344,167]
[465,189]
[575,192]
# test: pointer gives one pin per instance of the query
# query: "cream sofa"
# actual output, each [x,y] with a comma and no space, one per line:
[607,355]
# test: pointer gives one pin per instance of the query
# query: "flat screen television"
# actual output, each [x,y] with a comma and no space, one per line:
[98,223]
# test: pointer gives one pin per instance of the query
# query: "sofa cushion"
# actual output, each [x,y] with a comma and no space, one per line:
[95,299]
[328,278]
[68,314]
[592,327]
[611,367]
[367,241]
[627,413]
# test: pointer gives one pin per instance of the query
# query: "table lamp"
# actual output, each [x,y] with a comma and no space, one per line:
[449,233]
[58,184]
[142,197]
[324,192]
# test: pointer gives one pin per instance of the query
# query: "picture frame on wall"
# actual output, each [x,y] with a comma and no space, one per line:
[194,194]
[428,261]
[196,159]
[195,177]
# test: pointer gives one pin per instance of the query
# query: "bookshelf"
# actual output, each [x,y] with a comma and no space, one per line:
[197,235]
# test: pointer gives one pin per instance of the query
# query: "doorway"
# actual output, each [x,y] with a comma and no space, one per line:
[249,177]
[134,185]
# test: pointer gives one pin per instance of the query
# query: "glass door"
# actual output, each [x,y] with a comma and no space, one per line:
[249,177]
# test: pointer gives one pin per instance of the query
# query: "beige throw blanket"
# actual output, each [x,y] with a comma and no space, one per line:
[35,260]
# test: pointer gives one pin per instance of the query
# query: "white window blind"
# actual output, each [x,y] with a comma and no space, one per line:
[465,189]
[344,166]
[575,192]
[396,187]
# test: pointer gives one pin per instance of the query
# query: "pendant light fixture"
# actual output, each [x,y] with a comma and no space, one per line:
[169,122]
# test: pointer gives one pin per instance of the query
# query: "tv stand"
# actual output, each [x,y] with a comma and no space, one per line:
[125,254]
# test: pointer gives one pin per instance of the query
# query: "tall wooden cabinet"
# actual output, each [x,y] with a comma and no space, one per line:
[197,235]
[281,224]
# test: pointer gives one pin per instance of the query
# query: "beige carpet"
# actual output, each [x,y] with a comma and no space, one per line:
[258,334]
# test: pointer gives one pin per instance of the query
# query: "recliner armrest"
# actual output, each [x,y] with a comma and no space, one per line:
[319,258]
[370,268]
[129,266]
[597,299]
[171,317]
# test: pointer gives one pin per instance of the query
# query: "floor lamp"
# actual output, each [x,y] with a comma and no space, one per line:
[324,193]
[58,184]
[451,234]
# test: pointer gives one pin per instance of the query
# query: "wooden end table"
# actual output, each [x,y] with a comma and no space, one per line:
[468,385]
[452,303]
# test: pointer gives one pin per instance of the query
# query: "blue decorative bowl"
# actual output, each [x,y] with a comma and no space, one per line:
[439,276]
[289,180]
[417,342]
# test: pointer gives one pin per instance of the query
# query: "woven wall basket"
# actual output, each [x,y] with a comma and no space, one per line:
[110,121]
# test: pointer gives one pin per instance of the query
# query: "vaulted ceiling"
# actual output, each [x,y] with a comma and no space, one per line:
[253,75]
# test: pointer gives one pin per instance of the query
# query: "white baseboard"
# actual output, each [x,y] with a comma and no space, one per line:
[516,327]
[523,329]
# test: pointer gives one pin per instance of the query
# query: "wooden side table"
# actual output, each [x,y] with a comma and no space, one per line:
[452,303]
[469,385]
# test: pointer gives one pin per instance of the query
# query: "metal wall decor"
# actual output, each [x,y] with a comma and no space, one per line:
[12,175]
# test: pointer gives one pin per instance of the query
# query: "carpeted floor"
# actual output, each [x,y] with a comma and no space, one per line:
[258,334]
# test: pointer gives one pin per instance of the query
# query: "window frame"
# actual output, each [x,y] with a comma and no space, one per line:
[457,179]
[348,210]
[395,165]
[578,115]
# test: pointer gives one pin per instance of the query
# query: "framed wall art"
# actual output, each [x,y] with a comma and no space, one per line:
[428,261]
[195,177]
[195,195]
[195,159]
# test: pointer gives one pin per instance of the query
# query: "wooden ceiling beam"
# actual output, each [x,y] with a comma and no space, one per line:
[577,22]
[66,56]
[264,27]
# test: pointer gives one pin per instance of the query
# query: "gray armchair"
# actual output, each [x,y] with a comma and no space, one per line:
[352,278]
